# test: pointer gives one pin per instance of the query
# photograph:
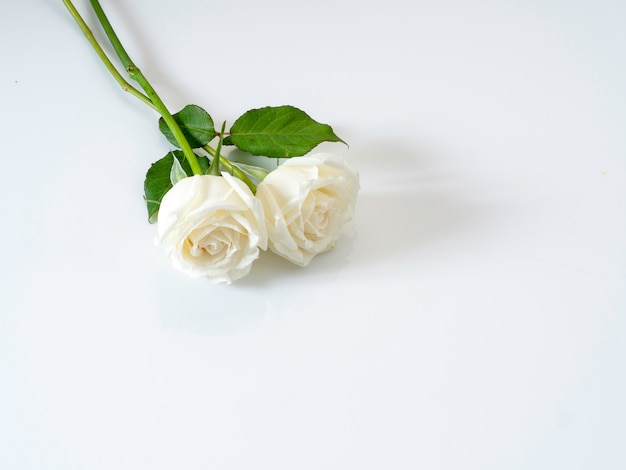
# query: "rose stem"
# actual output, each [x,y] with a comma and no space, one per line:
[218,160]
[225,162]
[135,74]
[109,65]
[214,169]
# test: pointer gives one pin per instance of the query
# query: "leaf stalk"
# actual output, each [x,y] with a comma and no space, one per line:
[232,169]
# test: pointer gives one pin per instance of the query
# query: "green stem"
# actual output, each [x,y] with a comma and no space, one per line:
[135,74]
[109,65]
[214,169]
[232,169]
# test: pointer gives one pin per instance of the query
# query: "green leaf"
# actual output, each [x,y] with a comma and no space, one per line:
[279,132]
[255,172]
[196,124]
[158,182]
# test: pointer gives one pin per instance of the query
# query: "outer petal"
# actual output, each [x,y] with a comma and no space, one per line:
[307,200]
[211,226]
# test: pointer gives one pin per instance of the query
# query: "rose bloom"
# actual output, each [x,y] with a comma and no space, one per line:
[212,226]
[306,202]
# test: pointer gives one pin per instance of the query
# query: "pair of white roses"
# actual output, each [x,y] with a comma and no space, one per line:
[214,226]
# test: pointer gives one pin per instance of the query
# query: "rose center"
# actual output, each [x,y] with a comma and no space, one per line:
[215,243]
[321,218]
[213,247]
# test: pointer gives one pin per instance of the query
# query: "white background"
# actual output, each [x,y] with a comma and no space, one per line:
[472,317]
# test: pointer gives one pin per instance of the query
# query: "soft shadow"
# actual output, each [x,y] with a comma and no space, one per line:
[412,201]
[270,269]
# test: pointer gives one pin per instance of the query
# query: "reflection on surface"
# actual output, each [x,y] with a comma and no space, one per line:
[273,289]
[409,214]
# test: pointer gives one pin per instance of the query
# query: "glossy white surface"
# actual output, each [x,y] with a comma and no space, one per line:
[472,317]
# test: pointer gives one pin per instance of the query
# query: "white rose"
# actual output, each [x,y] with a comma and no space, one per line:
[306,202]
[212,226]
